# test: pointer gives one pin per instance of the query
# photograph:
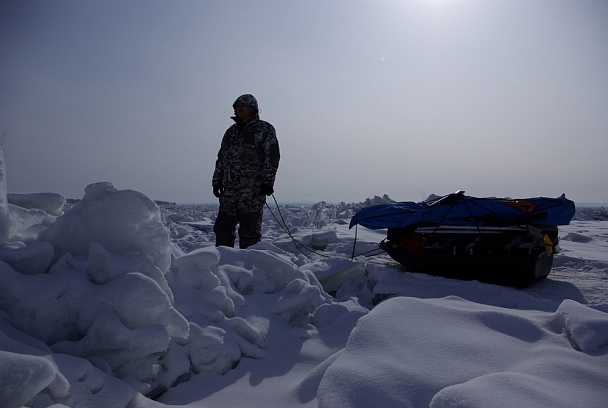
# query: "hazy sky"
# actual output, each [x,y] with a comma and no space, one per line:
[405,98]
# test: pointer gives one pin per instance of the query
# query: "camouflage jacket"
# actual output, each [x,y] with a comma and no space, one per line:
[248,157]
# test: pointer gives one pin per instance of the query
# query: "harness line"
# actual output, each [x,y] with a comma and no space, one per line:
[300,246]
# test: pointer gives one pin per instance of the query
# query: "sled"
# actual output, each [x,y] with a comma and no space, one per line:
[495,240]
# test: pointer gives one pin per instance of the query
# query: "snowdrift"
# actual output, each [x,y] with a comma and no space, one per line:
[105,284]
[114,302]
[393,359]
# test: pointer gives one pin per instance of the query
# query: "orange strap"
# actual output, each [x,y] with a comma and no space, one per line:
[522,206]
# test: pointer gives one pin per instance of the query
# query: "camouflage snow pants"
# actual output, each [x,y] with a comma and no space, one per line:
[250,226]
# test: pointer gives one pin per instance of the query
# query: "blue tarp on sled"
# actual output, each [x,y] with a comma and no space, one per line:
[459,209]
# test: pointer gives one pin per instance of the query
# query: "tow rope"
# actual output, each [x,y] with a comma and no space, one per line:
[300,246]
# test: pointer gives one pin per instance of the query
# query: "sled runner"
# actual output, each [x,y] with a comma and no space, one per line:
[495,240]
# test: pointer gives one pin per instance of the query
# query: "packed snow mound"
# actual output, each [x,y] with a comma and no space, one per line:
[104,284]
[395,358]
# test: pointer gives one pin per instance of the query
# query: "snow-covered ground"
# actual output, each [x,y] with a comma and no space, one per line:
[115,301]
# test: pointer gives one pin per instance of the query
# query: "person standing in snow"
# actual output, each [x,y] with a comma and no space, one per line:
[245,171]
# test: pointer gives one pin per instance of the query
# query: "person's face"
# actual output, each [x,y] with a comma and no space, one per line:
[244,112]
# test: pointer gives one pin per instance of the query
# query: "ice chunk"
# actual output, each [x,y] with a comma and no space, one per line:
[193,269]
[29,259]
[298,302]
[128,321]
[125,222]
[103,267]
[22,377]
[51,203]
[27,224]
[337,274]
[212,350]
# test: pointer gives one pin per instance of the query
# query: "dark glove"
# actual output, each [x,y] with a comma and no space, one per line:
[218,190]
[266,189]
